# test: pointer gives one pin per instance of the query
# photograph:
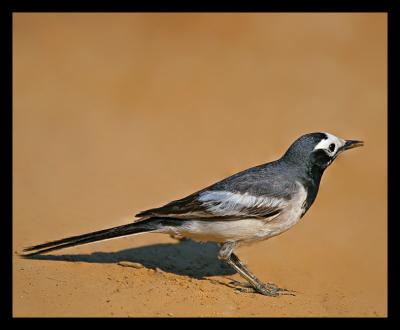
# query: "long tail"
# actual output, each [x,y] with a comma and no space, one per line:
[129,229]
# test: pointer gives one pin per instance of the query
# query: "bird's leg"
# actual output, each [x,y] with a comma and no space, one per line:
[226,254]
[270,286]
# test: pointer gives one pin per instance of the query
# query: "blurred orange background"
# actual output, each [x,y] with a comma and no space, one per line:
[116,113]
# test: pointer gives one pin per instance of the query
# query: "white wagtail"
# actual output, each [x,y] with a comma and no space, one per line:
[252,205]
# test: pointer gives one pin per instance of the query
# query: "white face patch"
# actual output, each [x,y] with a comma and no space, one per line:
[326,144]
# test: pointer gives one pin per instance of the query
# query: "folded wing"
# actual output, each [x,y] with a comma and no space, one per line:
[219,205]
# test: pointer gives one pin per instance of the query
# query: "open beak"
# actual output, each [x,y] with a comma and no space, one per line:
[350,144]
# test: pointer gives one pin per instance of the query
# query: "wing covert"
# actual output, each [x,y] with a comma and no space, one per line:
[219,205]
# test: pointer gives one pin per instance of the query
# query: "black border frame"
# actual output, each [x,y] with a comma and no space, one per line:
[8,8]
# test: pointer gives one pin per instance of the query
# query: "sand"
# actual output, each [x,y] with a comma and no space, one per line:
[117,113]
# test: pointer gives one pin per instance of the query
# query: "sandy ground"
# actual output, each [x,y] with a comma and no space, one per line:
[114,114]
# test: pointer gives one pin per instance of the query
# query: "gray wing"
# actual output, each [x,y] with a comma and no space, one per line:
[259,192]
[249,194]
[219,205]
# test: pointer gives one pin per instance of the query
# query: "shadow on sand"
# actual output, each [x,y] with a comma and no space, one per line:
[184,258]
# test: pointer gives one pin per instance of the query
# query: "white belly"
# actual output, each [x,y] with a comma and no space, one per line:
[246,230]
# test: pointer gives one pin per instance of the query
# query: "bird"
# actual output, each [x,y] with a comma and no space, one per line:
[250,206]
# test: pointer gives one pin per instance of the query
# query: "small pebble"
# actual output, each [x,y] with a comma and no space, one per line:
[130,264]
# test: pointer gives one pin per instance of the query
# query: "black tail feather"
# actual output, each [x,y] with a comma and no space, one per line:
[129,229]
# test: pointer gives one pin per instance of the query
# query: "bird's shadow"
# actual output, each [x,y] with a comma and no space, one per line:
[184,258]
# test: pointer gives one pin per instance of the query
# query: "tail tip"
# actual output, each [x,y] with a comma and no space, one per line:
[26,252]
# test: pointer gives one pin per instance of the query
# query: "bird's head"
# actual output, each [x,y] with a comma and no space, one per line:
[318,150]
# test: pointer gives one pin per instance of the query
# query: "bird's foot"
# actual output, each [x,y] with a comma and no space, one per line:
[267,289]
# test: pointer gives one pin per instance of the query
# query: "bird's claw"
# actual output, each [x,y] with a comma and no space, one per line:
[268,289]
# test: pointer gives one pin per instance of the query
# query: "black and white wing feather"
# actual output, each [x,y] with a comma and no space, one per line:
[260,192]
[219,205]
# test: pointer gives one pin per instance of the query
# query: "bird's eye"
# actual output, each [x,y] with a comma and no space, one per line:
[332,147]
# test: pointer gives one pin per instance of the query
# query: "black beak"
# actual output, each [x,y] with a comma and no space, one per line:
[350,144]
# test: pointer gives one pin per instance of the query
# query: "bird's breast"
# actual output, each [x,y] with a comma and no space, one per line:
[289,216]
